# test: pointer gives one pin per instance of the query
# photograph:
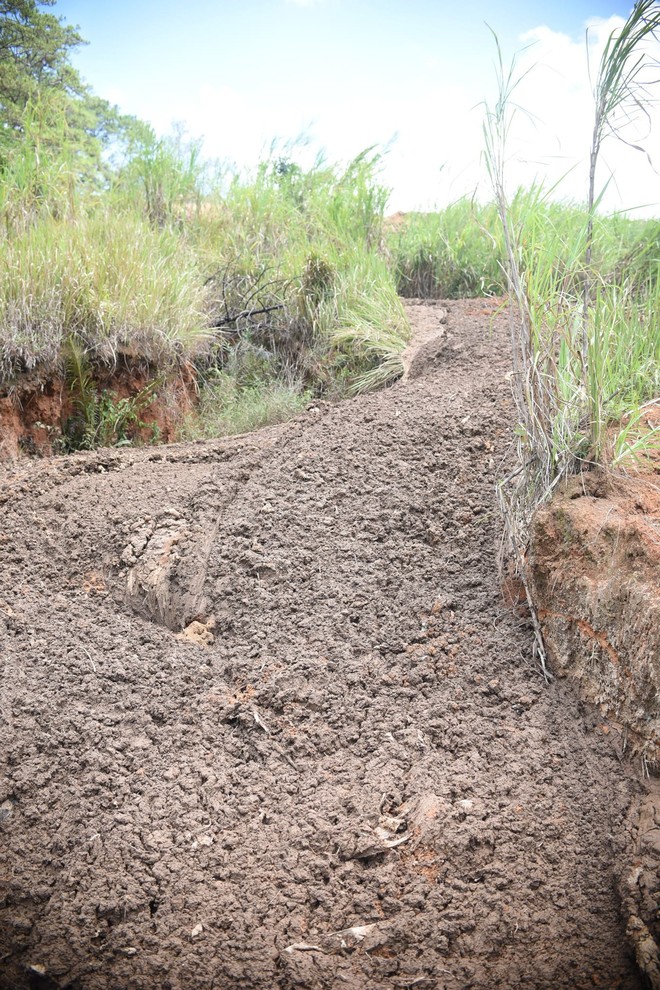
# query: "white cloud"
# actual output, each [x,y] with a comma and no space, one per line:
[558,90]
[437,155]
[114,95]
[549,140]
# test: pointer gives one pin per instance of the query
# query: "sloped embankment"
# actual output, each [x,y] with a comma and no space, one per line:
[595,568]
[267,723]
[40,415]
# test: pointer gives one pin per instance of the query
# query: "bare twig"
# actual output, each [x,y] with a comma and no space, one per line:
[245,314]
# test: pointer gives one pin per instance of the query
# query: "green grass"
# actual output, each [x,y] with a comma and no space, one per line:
[370,328]
[226,408]
[450,254]
[581,370]
[459,251]
[113,280]
[309,243]
[278,275]
[288,281]
[585,332]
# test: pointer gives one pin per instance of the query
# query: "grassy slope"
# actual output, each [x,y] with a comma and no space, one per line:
[286,284]
[278,280]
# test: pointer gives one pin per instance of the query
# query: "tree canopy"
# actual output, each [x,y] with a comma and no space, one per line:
[41,90]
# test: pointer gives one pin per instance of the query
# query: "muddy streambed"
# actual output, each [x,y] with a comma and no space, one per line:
[267,722]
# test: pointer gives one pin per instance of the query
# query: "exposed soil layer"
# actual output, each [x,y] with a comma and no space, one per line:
[596,580]
[34,413]
[595,570]
[267,722]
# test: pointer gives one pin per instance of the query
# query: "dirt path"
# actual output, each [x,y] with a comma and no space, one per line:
[350,775]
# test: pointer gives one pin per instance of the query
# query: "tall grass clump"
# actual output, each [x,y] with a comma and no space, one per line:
[163,178]
[459,251]
[77,262]
[110,279]
[229,406]
[273,281]
[295,270]
[450,254]
[38,172]
[584,332]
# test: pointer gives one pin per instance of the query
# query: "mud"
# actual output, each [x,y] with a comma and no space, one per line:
[268,722]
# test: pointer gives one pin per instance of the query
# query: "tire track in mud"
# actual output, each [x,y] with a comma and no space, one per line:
[360,780]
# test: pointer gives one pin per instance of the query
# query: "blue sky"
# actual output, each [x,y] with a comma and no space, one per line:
[351,73]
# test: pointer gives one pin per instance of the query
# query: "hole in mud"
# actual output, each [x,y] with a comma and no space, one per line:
[153,907]
[7,807]
[39,981]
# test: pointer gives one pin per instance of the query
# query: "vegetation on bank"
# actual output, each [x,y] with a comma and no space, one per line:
[119,245]
[585,331]
[278,286]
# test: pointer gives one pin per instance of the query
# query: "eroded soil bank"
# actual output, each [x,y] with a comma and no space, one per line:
[38,415]
[596,576]
[348,772]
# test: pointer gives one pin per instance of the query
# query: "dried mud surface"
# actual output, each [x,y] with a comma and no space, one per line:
[266,721]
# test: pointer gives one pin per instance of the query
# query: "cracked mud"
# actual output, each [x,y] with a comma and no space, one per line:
[267,722]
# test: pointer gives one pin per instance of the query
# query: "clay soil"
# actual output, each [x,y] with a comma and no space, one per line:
[34,412]
[267,721]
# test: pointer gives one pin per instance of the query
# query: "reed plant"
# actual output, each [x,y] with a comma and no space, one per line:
[38,176]
[585,335]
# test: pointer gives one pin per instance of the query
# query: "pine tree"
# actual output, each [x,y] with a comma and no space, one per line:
[40,88]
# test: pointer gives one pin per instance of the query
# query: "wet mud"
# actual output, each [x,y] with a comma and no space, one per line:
[267,722]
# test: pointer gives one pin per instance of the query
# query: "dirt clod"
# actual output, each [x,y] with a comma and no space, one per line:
[199,632]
